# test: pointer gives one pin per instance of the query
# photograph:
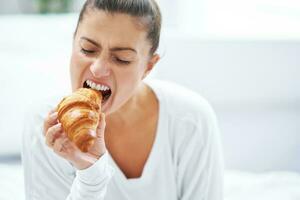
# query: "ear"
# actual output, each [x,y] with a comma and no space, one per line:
[151,63]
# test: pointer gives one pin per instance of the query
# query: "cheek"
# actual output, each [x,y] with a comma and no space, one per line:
[77,67]
[128,81]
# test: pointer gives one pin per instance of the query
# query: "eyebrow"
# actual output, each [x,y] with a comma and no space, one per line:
[112,49]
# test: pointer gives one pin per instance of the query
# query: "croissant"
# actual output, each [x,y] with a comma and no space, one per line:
[79,115]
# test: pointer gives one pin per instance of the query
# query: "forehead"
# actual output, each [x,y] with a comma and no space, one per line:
[116,28]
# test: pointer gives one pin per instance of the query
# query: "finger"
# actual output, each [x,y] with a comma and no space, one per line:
[101,126]
[52,134]
[50,120]
[64,147]
[67,144]
[58,144]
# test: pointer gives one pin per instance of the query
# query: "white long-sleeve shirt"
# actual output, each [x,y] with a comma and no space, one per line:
[185,162]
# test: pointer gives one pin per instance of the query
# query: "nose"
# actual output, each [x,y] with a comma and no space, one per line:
[100,68]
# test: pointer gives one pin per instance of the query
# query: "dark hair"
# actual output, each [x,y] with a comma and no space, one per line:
[145,9]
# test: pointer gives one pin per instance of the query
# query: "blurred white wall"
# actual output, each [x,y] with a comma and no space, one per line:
[29,6]
[11,6]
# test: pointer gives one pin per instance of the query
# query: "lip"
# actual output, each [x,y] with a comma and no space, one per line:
[105,105]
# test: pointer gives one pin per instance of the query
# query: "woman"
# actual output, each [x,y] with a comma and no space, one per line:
[161,140]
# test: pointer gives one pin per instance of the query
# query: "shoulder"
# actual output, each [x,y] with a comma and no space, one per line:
[38,159]
[182,103]
[36,111]
[33,140]
[190,117]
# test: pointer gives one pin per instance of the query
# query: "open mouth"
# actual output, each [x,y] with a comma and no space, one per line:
[105,91]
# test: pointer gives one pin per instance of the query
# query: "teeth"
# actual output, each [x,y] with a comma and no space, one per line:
[97,86]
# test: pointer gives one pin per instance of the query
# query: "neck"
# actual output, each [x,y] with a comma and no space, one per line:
[131,111]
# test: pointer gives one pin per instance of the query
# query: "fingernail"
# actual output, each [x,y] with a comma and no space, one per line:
[54,115]
[52,111]
[58,125]
[93,133]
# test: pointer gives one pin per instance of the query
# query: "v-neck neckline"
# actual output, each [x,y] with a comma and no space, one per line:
[150,162]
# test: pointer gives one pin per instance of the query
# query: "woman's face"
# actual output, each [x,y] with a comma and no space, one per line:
[110,53]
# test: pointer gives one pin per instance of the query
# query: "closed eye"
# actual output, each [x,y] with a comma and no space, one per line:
[86,52]
[122,62]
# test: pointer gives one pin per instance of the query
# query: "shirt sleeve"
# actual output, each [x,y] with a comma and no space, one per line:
[91,183]
[200,165]
[47,176]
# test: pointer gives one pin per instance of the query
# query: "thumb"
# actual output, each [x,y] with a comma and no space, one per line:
[101,126]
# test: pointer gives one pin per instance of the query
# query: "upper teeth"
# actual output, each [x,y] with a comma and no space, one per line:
[97,86]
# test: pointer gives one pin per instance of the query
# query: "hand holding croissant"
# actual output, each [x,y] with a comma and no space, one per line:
[76,130]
